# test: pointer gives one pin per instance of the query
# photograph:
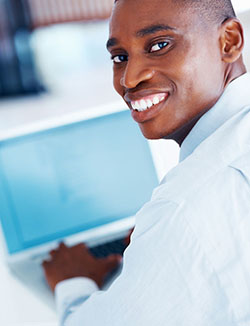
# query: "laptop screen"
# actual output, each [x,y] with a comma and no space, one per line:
[72,178]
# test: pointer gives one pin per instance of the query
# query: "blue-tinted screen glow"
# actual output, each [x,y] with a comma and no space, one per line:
[69,179]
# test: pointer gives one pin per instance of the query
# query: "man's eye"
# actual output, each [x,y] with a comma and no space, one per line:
[158,46]
[119,58]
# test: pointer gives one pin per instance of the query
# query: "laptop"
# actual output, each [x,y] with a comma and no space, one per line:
[80,179]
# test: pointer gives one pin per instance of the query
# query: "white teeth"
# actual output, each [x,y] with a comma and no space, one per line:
[143,105]
[149,103]
[133,106]
[137,105]
[156,100]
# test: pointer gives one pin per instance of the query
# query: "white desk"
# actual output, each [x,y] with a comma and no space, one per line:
[19,306]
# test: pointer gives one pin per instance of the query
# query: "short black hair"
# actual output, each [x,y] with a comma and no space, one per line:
[212,10]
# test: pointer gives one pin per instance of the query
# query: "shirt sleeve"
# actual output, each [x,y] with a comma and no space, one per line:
[70,294]
[167,278]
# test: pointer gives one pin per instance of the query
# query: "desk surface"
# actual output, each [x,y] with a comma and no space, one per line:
[20,306]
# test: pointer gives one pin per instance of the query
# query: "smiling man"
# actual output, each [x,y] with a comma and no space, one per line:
[178,66]
[177,53]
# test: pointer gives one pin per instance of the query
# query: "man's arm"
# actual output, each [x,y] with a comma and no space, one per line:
[71,294]
[74,274]
[167,278]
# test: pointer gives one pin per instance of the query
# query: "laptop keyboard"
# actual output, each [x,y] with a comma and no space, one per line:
[109,248]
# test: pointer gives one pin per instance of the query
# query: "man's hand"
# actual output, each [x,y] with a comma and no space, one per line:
[128,237]
[68,262]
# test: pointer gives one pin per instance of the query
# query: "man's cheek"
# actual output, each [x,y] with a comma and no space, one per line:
[117,86]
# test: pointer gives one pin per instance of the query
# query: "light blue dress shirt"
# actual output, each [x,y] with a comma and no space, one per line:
[189,260]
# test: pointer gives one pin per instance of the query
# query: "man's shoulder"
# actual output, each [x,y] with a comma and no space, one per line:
[242,163]
[204,176]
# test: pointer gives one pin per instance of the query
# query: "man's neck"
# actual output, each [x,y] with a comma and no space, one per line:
[232,72]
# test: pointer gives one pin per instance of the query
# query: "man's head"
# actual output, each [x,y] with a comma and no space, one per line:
[210,11]
[173,59]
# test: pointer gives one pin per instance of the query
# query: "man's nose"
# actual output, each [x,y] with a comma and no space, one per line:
[135,73]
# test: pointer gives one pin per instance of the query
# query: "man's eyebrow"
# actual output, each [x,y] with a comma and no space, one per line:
[111,42]
[153,29]
[143,32]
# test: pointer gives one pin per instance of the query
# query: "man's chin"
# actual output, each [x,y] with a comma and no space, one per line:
[152,134]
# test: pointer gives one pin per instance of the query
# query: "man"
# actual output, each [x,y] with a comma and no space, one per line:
[178,65]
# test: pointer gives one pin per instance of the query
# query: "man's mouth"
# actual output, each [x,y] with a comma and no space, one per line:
[147,102]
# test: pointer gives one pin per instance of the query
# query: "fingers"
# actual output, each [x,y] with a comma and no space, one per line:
[62,250]
[128,237]
[45,264]
[113,261]
[81,246]
[53,254]
[62,246]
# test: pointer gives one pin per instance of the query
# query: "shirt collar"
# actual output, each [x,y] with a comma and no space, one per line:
[234,98]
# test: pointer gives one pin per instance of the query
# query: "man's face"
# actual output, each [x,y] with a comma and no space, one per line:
[167,65]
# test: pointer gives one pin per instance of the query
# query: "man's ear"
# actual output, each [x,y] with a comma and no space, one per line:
[231,40]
